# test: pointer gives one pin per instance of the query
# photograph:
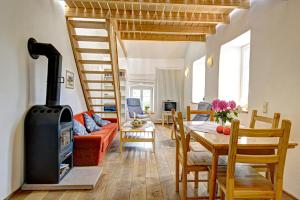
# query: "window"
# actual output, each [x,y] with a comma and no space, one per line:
[145,94]
[234,70]
[198,86]
[245,76]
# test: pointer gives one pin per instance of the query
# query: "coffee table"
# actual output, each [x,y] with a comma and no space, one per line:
[145,133]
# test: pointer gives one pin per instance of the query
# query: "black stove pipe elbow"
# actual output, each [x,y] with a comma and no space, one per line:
[54,68]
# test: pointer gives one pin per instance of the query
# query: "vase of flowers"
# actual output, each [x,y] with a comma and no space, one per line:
[224,111]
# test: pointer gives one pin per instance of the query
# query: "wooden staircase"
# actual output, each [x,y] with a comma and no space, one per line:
[95,52]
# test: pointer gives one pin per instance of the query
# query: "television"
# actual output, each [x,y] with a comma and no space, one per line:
[169,105]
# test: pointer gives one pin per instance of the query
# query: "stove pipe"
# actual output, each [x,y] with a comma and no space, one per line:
[54,68]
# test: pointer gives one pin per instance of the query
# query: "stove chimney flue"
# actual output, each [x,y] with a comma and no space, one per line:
[54,68]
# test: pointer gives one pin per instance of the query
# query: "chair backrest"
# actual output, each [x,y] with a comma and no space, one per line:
[134,106]
[273,121]
[181,146]
[204,112]
[277,159]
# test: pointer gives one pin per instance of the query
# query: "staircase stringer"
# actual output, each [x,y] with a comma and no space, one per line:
[115,66]
[79,66]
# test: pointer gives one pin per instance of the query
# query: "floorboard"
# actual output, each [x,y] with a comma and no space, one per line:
[136,174]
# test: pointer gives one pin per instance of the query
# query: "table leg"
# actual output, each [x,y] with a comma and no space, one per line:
[163,120]
[153,141]
[120,141]
[213,176]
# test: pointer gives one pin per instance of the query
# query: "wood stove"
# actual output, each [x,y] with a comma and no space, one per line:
[48,128]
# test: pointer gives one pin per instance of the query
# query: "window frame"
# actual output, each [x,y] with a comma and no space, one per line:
[234,63]
[203,59]
[141,88]
[243,76]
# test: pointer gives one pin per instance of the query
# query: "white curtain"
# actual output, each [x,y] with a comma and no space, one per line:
[169,86]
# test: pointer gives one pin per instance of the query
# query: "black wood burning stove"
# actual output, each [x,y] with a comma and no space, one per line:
[48,128]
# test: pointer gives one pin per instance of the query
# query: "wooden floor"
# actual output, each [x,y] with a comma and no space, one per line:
[137,174]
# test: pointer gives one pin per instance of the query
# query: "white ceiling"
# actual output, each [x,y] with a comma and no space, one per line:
[155,49]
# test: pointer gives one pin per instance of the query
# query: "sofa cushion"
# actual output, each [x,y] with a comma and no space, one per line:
[112,126]
[79,118]
[102,132]
[79,129]
[90,124]
[99,121]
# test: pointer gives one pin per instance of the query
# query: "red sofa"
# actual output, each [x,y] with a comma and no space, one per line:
[90,150]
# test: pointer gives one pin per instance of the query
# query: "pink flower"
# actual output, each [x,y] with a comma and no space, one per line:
[215,104]
[232,104]
[223,105]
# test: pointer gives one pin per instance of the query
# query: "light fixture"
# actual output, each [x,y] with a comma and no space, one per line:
[210,61]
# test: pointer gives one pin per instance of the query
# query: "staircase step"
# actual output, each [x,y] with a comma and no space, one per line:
[96,51]
[102,98]
[96,72]
[87,38]
[100,90]
[96,62]
[101,105]
[98,81]
[88,24]
[106,112]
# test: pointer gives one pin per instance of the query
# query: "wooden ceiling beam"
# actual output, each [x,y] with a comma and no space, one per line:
[87,24]
[167,29]
[245,4]
[120,15]
[162,37]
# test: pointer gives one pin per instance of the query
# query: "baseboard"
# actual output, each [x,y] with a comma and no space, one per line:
[12,194]
[290,195]
[19,189]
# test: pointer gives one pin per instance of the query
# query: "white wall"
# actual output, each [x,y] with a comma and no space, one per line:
[20,76]
[194,52]
[274,67]
[142,71]
[155,49]
[149,65]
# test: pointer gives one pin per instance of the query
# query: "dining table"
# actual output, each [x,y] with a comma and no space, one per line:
[205,133]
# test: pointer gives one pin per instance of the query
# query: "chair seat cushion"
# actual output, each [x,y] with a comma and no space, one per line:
[246,179]
[202,158]
[142,116]
[197,147]
[258,167]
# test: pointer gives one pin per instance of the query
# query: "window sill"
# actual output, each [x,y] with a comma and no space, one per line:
[244,111]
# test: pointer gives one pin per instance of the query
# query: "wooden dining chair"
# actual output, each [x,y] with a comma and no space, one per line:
[241,181]
[190,161]
[273,122]
[191,112]
[195,146]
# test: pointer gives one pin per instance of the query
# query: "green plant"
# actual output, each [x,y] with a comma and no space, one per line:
[147,108]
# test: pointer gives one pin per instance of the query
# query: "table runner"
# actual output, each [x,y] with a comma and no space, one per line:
[205,127]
